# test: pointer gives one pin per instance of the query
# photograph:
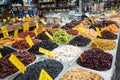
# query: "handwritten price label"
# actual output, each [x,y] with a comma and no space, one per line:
[43,21]
[44,75]
[44,51]
[4,31]
[1,55]
[26,27]
[98,32]
[15,35]
[29,41]
[17,63]
[49,35]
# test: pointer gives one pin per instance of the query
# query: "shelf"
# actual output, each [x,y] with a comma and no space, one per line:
[63,7]
[51,2]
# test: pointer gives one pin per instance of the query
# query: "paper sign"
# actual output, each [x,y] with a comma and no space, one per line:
[26,27]
[48,35]
[114,12]
[44,75]
[36,33]
[59,23]
[4,20]
[5,31]
[37,25]
[92,20]
[17,63]
[17,18]
[44,51]
[8,18]
[43,21]
[93,41]
[98,32]
[80,30]
[0,55]
[29,41]
[15,35]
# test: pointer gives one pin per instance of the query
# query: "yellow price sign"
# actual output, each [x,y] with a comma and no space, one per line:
[4,20]
[44,75]
[43,21]
[15,35]
[48,35]
[114,12]
[17,18]
[80,30]
[44,51]
[59,23]
[26,27]
[29,41]
[93,41]
[1,55]
[92,20]
[5,31]
[17,63]
[8,18]
[37,25]
[98,32]
[36,33]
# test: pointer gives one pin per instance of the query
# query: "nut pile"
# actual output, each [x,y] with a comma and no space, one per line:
[52,67]
[79,41]
[7,68]
[80,74]
[95,59]
[46,44]
[66,53]
[22,44]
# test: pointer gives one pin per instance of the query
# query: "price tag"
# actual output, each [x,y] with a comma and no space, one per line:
[26,27]
[17,63]
[4,20]
[48,35]
[15,35]
[114,12]
[98,32]
[50,53]
[93,41]
[1,55]
[13,20]
[8,18]
[81,58]
[36,33]
[44,75]
[29,41]
[37,25]
[59,23]
[43,21]
[5,31]
[92,20]
[17,18]
[80,30]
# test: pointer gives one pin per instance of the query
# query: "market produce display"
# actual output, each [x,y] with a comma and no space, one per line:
[108,35]
[61,37]
[43,36]
[72,31]
[8,41]
[95,59]
[46,44]
[103,44]
[113,28]
[22,44]
[24,34]
[52,67]
[80,74]
[71,24]
[6,50]
[66,53]
[86,32]
[7,68]
[80,41]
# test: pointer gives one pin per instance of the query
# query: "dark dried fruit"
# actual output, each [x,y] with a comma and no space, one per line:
[80,41]
[95,59]
[52,67]
[108,35]
[49,45]
[7,68]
